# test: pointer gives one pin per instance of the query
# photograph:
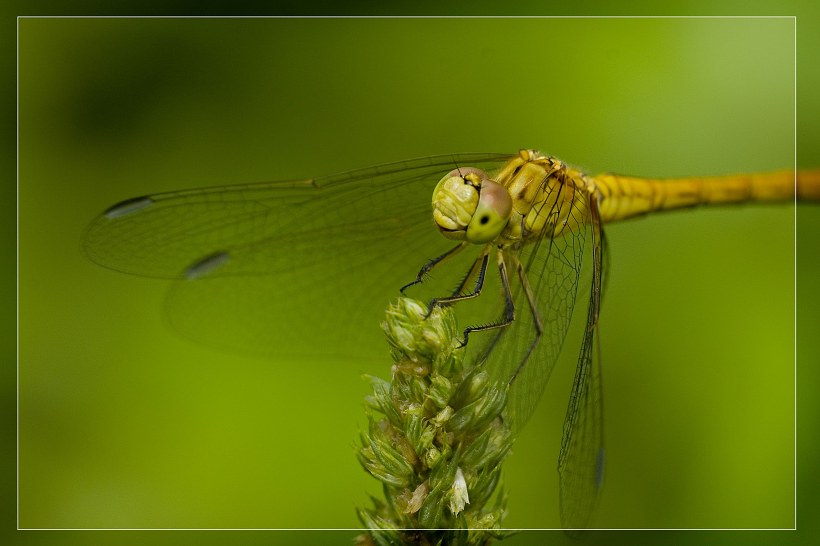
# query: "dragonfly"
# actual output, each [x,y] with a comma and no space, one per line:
[244,254]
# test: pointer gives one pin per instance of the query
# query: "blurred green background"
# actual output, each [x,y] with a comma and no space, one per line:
[122,424]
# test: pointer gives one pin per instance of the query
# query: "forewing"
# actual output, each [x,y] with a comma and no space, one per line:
[283,267]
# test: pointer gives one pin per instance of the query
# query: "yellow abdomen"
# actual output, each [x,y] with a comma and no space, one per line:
[623,197]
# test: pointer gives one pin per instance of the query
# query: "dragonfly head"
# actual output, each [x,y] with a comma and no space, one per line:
[468,206]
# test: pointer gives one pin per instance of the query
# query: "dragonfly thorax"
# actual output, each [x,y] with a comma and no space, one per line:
[548,197]
[468,206]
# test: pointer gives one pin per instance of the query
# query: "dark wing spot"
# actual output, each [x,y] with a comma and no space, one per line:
[129,206]
[206,265]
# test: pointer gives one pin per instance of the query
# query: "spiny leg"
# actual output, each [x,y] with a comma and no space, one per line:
[426,268]
[482,259]
[536,318]
[474,272]
[509,305]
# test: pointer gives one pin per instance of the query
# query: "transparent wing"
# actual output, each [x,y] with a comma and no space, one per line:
[552,269]
[301,266]
[581,461]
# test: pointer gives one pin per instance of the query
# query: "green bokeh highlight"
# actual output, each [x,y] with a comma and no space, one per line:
[123,424]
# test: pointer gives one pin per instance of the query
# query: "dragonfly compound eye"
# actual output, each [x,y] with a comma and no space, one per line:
[467,205]
[492,213]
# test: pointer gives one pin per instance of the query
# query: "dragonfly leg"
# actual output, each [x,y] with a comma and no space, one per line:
[481,265]
[536,319]
[426,268]
[477,271]
[509,305]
